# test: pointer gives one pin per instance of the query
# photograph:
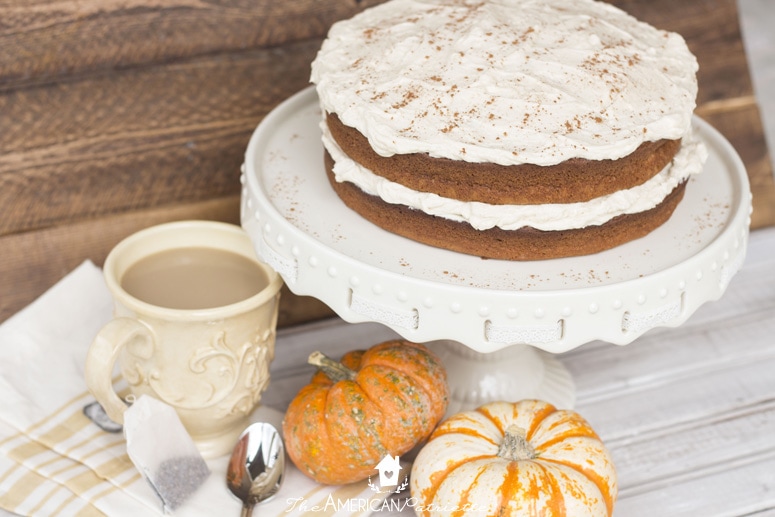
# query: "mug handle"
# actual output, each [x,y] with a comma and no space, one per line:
[102,356]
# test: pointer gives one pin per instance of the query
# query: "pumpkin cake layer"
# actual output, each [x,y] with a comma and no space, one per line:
[574,180]
[495,243]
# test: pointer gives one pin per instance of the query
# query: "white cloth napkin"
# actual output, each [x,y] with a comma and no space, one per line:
[55,461]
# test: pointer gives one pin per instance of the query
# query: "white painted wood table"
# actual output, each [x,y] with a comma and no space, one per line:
[688,413]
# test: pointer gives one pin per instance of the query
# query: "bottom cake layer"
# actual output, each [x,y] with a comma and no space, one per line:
[495,243]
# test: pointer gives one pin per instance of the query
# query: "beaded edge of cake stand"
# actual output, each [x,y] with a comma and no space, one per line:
[613,313]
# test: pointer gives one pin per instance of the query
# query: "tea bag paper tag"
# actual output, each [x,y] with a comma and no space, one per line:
[163,451]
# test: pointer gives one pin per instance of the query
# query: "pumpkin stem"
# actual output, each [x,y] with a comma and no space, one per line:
[334,370]
[515,446]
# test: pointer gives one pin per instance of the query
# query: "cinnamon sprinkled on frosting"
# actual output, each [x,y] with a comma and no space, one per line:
[506,81]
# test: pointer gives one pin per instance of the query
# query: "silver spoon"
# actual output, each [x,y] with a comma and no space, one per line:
[255,471]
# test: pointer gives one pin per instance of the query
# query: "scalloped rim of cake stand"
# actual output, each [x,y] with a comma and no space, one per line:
[323,249]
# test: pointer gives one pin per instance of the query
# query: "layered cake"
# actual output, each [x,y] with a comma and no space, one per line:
[508,129]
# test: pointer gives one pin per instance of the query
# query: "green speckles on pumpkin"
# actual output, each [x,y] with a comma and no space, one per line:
[387,407]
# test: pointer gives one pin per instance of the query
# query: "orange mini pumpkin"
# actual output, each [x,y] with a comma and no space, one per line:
[352,414]
[525,459]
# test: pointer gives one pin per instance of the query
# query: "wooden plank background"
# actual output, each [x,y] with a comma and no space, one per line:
[119,114]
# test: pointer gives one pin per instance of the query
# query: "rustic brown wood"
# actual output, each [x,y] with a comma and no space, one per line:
[135,139]
[127,113]
[33,261]
[42,40]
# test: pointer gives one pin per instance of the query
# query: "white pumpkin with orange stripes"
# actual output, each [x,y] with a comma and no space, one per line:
[514,459]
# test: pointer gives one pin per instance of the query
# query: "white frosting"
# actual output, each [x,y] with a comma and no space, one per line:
[506,81]
[482,216]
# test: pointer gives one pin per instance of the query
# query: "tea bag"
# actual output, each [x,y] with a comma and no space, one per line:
[163,452]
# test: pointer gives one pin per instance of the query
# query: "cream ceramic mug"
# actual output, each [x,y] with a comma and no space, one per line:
[195,317]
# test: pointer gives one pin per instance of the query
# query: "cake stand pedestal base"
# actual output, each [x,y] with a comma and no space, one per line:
[513,373]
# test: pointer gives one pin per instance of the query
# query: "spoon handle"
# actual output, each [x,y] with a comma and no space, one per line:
[247,510]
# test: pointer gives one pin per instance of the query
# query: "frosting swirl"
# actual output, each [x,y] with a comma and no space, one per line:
[506,81]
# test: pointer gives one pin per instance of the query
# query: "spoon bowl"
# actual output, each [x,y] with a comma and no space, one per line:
[256,466]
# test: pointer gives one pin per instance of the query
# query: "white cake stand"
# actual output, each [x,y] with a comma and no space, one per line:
[495,323]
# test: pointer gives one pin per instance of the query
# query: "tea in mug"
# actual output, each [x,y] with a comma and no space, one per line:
[194,278]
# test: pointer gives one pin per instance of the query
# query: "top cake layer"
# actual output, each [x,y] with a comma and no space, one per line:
[506,81]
